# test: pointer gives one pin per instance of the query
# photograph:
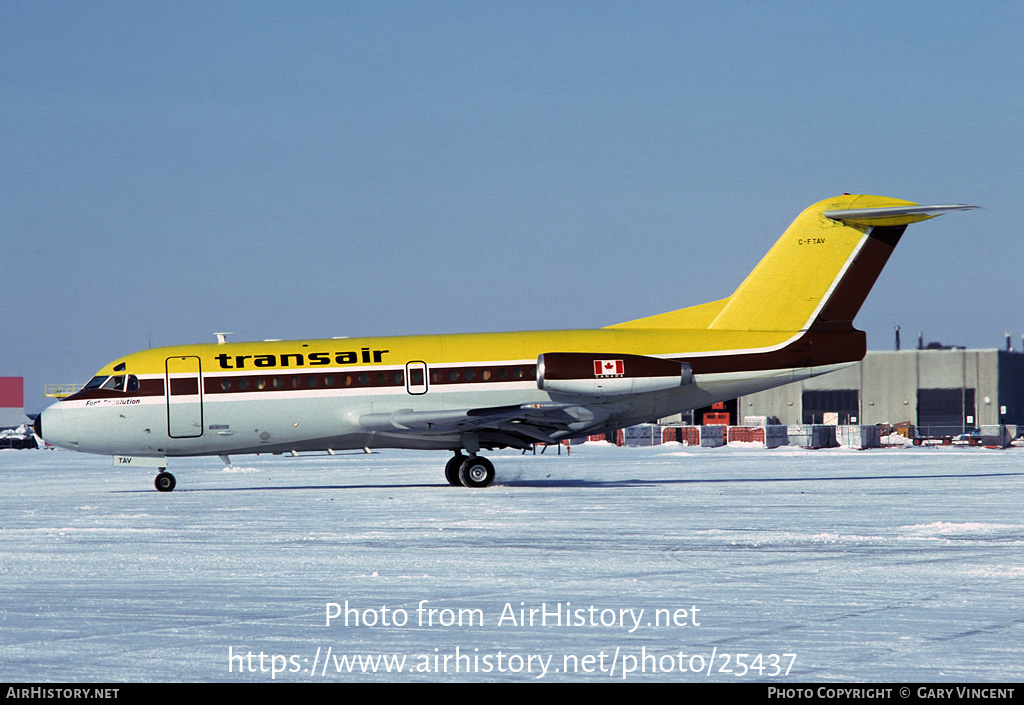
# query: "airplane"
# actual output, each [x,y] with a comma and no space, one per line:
[790,319]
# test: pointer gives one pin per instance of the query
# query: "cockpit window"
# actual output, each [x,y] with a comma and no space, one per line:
[117,383]
[95,382]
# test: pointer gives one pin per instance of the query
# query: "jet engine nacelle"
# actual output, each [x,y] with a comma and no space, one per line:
[609,373]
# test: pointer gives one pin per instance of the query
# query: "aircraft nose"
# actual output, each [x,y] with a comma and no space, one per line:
[55,426]
[72,428]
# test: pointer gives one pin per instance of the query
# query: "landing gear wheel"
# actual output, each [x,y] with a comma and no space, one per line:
[164,482]
[476,471]
[451,470]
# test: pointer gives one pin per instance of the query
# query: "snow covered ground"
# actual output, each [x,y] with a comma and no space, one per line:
[668,563]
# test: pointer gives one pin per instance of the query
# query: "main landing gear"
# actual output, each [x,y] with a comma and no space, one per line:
[469,471]
[164,481]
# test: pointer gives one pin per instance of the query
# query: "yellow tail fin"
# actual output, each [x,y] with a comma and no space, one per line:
[819,271]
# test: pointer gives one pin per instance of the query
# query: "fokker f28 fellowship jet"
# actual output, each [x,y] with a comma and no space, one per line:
[790,319]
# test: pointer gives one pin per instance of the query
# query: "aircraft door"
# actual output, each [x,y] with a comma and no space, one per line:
[184,397]
[416,377]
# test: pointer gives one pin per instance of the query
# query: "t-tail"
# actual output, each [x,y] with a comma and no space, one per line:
[816,276]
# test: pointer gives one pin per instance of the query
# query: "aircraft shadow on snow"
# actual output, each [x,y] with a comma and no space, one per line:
[555,483]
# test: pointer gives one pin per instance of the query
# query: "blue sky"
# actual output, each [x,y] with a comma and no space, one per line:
[315,169]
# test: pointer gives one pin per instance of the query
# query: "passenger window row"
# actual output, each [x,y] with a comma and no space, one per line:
[391,378]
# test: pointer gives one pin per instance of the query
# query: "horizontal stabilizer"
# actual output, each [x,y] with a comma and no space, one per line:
[898,215]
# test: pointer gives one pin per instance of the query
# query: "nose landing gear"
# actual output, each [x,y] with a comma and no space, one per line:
[164,481]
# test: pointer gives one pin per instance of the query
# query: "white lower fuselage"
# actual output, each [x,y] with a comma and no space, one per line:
[322,419]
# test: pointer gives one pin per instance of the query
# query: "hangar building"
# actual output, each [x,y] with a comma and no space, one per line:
[941,391]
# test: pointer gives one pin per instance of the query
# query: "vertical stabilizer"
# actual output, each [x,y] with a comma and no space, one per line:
[816,275]
[805,269]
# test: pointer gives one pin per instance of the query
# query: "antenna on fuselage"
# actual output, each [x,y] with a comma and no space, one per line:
[222,337]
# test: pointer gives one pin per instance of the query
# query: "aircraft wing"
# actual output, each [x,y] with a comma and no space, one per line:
[516,426]
[588,390]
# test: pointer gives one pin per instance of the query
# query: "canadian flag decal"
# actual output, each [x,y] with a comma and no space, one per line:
[609,368]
